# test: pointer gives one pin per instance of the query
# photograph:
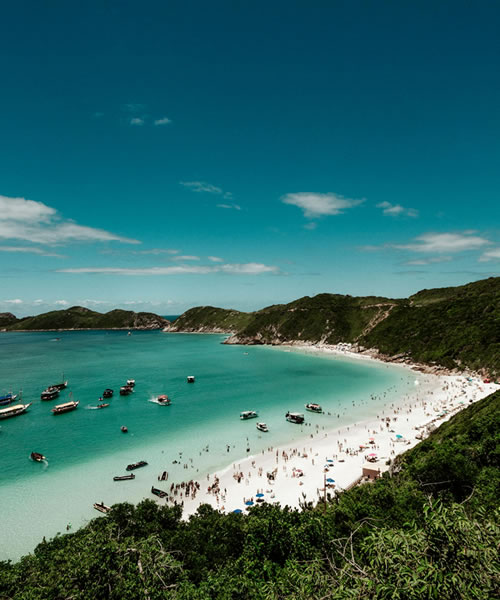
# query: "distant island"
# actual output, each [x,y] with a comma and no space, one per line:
[78,317]
[453,328]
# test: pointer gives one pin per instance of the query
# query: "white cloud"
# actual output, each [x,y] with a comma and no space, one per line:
[29,250]
[233,206]
[311,225]
[157,251]
[396,210]
[318,205]
[444,242]
[234,269]
[493,254]
[186,257]
[35,222]
[202,186]
[15,301]
[136,121]
[428,261]
[162,121]
[61,303]
[215,259]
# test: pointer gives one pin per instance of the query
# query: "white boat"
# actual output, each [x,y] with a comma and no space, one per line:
[66,407]
[13,411]
[131,382]
[312,407]
[297,418]
[248,414]
[262,427]
[190,378]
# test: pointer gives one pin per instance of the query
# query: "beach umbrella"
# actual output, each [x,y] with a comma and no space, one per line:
[238,511]
[249,503]
[329,460]
[372,454]
[330,480]
[259,495]
[399,436]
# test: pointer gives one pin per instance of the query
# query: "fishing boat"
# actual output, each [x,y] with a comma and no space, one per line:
[297,418]
[101,507]
[158,492]
[123,477]
[125,390]
[163,400]
[190,378]
[131,382]
[262,427]
[141,463]
[312,407]
[108,393]
[13,411]
[66,407]
[248,414]
[36,456]
[49,394]
[7,399]
[124,428]
[60,386]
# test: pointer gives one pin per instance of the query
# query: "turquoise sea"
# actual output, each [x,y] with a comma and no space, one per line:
[85,448]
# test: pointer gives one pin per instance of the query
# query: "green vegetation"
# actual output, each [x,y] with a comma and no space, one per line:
[451,327]
[79,317]
[429,530]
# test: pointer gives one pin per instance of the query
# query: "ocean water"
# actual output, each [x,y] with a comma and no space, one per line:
[85,448]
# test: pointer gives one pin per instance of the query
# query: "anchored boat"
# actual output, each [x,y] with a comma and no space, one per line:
[262,427]
[66,407]
[125,390]
[13,411]
[124,477]
[158,492]
[297,418]
[163,400]
[101,507]
[108,393]
[50,393]
[190,378]
[36,456]
[141,463]
[7,399]
[248,414]
[312,407]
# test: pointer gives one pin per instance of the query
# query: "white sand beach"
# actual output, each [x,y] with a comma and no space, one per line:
[294,474]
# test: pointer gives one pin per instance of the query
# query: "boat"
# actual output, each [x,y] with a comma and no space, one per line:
[103,405]
[248,414]
[158,492]
[190,378]
[141,463]
[49,394]
[66,407]
[163,400]
[60,386]
[262,427]
[297,418]
[108,393]
[131,382]
[124,477]
[7,399]
[312,407]
[101,507]
[13,411]
[125,390]
[124,429]
[36,456]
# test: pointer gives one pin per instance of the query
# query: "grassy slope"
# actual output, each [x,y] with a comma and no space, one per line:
[208,317]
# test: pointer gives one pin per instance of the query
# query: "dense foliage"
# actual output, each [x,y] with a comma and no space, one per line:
[452,327]
[78,317]
[429,530]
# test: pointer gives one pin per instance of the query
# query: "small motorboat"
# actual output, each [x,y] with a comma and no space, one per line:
[163,400]
[131,382]
[103,404]
[125,390]
[66,407]
[37,457]
[137,465]
[296,418]
[190,378]
[124,429]
[50,393]
[262,427]
[158,492]
[124,477]
[248,414]
[108,393]
[101,507]
[312,407]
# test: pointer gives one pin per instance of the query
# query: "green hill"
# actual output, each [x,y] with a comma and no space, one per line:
[453,327]
[429,530]
[78,317]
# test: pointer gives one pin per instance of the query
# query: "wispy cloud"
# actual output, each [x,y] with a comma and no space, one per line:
[15,301]
[215,259]
[202,187]
[232,269]
[396,210]
[428,261]
[316,205]
[136,121]
[489,255]
[29,250]
[61,303]
[229,206]
[162,121]
[35,222]
[437,243]
[157,251]
[186,257]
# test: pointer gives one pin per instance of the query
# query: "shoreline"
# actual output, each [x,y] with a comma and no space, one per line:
[300,470]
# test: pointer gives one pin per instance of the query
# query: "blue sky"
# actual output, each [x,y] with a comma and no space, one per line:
[162,155]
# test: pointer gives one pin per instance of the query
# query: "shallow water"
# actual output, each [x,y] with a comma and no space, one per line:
[85,448]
